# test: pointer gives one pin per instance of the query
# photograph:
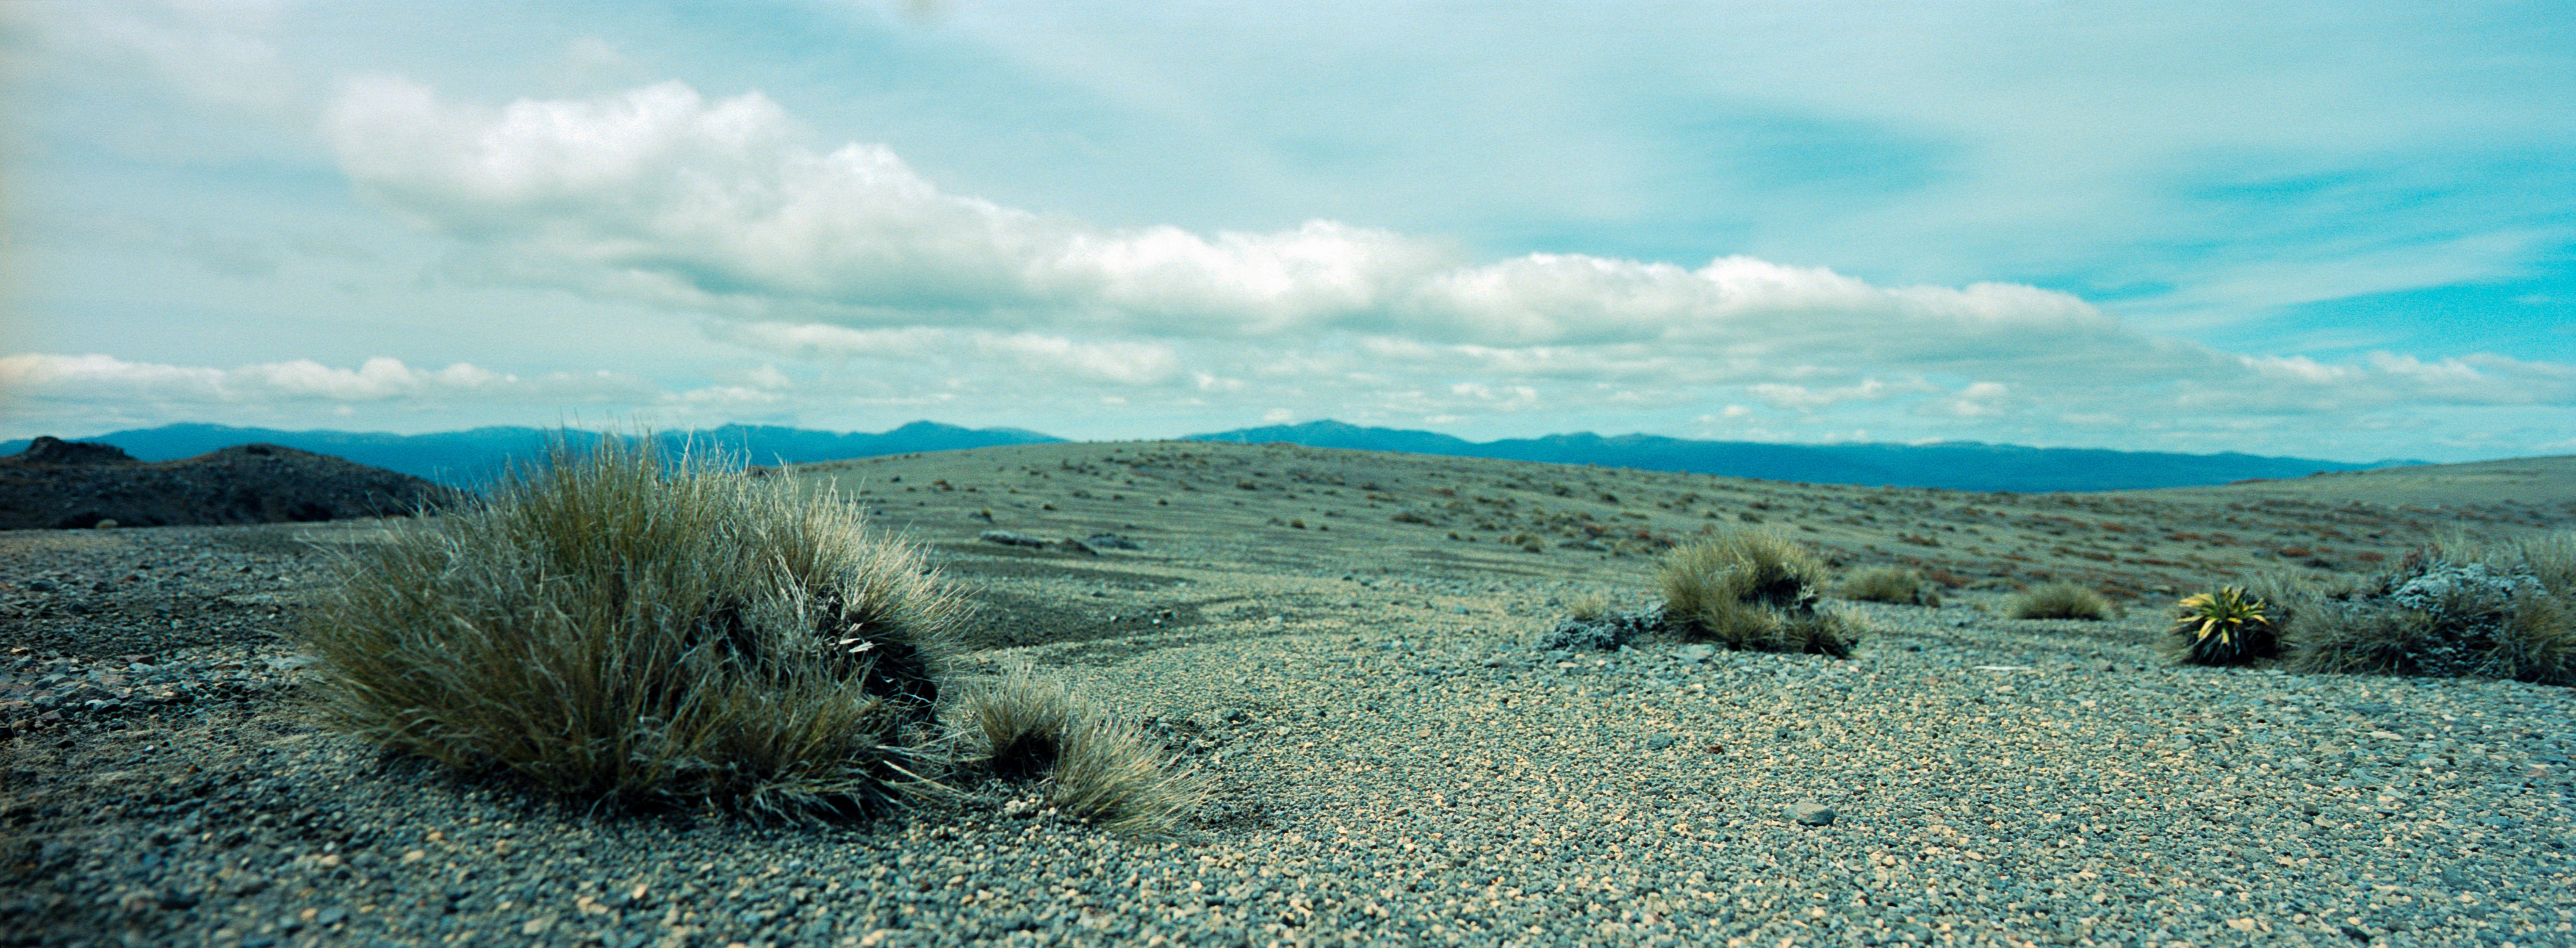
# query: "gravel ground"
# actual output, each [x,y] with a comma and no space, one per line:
[1397,764]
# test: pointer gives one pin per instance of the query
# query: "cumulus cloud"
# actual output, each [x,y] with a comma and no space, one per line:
[664,193]
[849,255]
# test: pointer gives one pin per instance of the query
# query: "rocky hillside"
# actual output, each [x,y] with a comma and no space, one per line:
[61,484]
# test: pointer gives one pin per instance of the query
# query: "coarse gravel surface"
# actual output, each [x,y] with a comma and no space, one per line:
[1396,762]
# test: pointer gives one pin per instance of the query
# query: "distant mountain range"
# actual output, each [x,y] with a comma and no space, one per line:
[1956,465]
[471,458]
[475,457]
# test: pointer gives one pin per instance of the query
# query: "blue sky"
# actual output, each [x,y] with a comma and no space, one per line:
[2340,230]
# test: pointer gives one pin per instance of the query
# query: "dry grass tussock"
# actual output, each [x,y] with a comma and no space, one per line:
[634,635]
[1894,584]
[2461,606]
[2059,601]
[1094,767]
[1755,590]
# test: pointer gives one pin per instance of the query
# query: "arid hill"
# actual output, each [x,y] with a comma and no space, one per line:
[62,484]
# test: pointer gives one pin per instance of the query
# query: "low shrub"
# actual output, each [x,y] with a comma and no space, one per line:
[2059,601]
[612,629]
[2460,607]
[1096,768]
[2228,626]
[1894,584]
[1752,590]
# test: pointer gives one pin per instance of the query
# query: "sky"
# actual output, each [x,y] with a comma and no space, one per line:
[2341,230]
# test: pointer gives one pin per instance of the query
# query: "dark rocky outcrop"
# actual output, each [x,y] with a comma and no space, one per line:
[63,484]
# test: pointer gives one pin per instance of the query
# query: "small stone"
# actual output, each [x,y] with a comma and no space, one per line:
[1007,538]
[1811,814]
[1696,653]
[1660,741]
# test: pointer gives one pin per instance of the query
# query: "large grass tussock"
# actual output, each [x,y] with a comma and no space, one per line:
[633,634]
[1753,590]
[2460,607]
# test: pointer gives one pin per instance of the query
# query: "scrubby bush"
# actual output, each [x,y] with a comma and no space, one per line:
[1096,768]
[636,634]
[2228,626]
[2059,601]
[1889,584]
[1752,590]
[2491,609]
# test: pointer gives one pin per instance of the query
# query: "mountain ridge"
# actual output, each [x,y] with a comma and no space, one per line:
[475,456]
[1952,465]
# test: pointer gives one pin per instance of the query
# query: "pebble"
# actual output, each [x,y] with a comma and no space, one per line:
[1811,814]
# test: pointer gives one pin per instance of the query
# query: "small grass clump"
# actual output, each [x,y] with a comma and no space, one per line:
[2228,626]
[1753,590]
[1096,768]
[1894,584]
[2059,601]
[2460,607]
[1588,607]
[636,634]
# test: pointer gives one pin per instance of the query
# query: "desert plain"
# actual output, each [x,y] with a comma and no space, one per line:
[1348,646]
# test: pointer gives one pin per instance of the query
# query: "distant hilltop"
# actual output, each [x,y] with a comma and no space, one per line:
[478,456]
[1953,465]
[60,484]
[475,457]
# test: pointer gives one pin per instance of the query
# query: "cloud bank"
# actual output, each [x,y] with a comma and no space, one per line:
[872,285]
[723,206]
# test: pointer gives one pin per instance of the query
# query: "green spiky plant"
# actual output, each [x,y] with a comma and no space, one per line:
[2228,626]
[632,633]
[1755,590]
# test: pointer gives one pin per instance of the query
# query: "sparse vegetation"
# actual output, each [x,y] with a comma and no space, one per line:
[1894,584]
[2228,626]
[1588,607]
[1103,770]
[617,631]
[2059,601]
[2460,607]
[1753,590]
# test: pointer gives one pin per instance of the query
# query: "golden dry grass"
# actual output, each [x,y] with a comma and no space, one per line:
[2059,601]
[1094,767]
[631,635]
[1752,589]
[1894,584]
[2524,633]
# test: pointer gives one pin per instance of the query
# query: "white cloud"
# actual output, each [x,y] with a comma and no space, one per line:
[849,256]
[1012,354]
[105,379]
[215,52]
